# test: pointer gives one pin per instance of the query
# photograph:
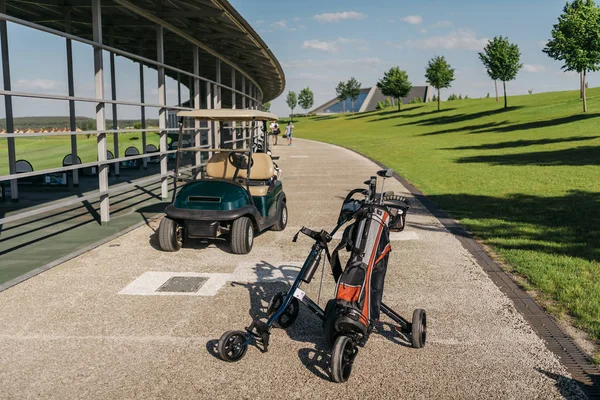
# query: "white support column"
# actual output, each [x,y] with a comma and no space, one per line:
[197,141]
[233,107]
[209,132]
[162,114]
[217,106]
[113,92]
[10,127]
[71,87]
[100,123]
[143,113]
[243,108]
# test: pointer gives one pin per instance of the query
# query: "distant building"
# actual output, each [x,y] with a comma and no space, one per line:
[369,97]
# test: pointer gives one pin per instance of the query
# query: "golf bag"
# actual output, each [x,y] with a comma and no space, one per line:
[360,285]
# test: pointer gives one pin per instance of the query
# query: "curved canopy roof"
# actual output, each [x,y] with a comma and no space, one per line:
[213,25]
[225,114]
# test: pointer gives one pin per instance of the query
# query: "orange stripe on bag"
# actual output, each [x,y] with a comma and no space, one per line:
[348,292]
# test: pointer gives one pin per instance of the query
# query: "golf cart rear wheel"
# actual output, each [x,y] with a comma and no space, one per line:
[290,314]
[282,217]
[342,358]
[242,236]
[170,235]
[231,346]
[419,328]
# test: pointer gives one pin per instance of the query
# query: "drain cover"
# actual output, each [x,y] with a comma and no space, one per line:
[183,284]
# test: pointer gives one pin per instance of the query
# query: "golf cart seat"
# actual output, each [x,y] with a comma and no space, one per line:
[262,171]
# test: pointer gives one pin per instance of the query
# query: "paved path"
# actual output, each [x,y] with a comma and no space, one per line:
[85,329]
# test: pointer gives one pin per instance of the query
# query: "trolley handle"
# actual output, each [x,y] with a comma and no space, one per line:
[321,236]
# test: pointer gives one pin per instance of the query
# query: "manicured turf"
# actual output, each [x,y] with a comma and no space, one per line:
[524,180]
[48,152]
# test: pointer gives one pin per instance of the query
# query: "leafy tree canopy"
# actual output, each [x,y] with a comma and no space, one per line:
[395,83]
[439,74]
[306,98]
[501,59]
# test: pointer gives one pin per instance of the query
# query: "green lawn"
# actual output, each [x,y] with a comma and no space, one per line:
[526,181]
[48,152]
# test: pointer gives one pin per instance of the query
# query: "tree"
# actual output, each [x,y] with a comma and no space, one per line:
[440,75]
[306,99]
[395,83]
[137,125]
[342,94]
[353,90]
[576,40]
[266,107]
[502,60]
[292,102]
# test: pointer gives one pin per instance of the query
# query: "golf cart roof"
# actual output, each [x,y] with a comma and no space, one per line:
[229,115]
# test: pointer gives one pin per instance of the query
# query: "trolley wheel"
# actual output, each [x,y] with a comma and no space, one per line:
[342,358]
[419,328]
[289,316]
[231,346]
[329,323]
[170,235]
[242,236]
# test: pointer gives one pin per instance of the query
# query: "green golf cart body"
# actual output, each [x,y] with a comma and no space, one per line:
[230,196]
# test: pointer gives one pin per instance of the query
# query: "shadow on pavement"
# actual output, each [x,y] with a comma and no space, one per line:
[566,386]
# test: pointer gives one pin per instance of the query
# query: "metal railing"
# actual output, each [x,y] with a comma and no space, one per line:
[211,133]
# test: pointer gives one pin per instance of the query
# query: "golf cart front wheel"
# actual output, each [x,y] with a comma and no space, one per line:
[342,358]
[290,314]
[170,235]
[419,328]
[282,217]
[242,236]
[232,346]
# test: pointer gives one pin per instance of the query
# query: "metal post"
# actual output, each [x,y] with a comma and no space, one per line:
[143,113]
[10,127]
[99,81]
[233,107]
[243,108]
[217,105]
[197,141]
[162,114]
[115,124]
[209,132]
[179,89]
[71,85]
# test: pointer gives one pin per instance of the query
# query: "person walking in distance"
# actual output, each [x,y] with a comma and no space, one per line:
[289,130]
[274,132]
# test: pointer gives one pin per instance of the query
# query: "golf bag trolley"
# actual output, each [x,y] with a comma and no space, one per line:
[352,315]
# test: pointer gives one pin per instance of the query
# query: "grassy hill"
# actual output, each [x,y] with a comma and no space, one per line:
[526,181]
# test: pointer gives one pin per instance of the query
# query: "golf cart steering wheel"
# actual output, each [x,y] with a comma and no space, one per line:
[239,160]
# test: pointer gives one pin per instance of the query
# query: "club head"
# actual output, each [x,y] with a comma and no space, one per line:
[385,173]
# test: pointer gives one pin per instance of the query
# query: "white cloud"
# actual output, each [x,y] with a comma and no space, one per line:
[413,19]
[332,46]
[38,84]
[338,16]
[333,63]
[279,24]
[260,21]
[442,24]
[533,68]
[423,31]
[459,40]
[296,19]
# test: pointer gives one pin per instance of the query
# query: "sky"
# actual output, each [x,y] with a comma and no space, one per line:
[320,43]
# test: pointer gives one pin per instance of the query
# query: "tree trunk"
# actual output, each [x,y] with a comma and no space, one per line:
[439,99]
[352,106]
[399,104]
[496,84]
[505,98]
[581,83]
[292,116]
[344,106]
[583,92]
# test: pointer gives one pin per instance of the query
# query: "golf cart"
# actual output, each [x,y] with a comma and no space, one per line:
[237,193]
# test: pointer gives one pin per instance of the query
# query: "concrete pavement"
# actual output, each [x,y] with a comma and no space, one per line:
[87,328]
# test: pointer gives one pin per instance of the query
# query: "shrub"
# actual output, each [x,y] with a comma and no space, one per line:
[416,100]
[434,98]
[466,97]
[388,102]
[380,105]
[452,97]
[488,96]
[530,91]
